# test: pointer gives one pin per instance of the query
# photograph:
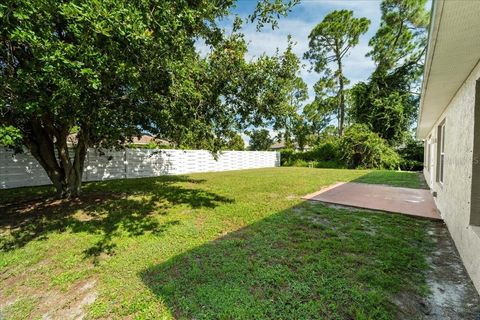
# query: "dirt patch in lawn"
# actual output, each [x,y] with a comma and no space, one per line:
[54,303]
[70,305]
[32,219]
[452,293]
[95,213]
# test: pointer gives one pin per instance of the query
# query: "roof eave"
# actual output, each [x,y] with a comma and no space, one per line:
[435,16]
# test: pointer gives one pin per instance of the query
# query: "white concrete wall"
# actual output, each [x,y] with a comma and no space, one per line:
[19,170]
[454,196]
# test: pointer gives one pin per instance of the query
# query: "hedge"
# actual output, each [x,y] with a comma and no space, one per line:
[360,148]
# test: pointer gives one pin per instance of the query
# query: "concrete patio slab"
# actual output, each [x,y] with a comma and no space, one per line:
[413,202]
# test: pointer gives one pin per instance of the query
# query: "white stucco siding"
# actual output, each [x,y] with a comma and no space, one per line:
[454,196]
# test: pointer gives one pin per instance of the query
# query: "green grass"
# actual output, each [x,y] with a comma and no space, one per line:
[239,244]
[394,178]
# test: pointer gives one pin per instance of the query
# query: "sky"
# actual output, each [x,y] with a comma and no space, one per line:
[298,23]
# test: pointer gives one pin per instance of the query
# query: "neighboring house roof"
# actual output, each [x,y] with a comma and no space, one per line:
[142,140]
[145,139]
[281,145]
[278,145]
[453,51]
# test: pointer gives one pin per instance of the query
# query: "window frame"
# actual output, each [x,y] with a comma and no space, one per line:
[428,153]
[441,153]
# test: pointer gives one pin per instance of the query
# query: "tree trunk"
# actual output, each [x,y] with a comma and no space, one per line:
[341,98]
[64,172]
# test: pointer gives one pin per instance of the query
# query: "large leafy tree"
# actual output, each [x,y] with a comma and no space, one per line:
[297,134]
[318,113]
[388,102]
[301,132]
[295,90]
[330,41]
[235,143]
[260,140]
[110,70]
[265,92]
[400,41]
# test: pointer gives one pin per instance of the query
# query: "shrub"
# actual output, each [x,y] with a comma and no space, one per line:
[316,164]
[329,164]
[300,163]
[412,155]
[362,148]
[358,148]
[328,150]
[287,156]
[306,156]
[324,155]
[411,165]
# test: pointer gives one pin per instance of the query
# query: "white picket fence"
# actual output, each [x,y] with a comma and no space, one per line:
[20,170]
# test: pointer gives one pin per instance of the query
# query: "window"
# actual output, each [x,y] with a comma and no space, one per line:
[441,152]
[428,160]
[475,195]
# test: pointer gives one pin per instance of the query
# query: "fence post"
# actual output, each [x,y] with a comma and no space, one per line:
[125,163]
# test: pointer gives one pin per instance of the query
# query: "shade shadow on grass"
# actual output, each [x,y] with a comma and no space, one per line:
[130,207]
[306,262]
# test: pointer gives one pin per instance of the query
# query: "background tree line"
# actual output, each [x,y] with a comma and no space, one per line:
[379,113]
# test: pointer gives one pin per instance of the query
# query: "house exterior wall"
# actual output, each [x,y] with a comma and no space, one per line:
[453,197]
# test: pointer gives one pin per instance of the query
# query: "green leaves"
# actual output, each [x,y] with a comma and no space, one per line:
[260,140]
[233,95]
[235,143]
[330,42]
[116,69]
[362,148]
[332,38]
[387,103]
[269,11]
[10,137]
[388,112]
[401,37]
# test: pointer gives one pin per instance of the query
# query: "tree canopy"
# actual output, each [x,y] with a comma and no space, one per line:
[388,102]
[260,140]
[330,41]
[116,69]
[235,143]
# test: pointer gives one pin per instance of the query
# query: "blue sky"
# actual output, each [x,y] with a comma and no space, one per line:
[300,22]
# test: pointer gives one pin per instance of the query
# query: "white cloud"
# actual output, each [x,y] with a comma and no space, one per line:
[299,24]
[269,40]
[272,133]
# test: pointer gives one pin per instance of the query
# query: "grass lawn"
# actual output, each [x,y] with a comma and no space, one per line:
[239,244]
